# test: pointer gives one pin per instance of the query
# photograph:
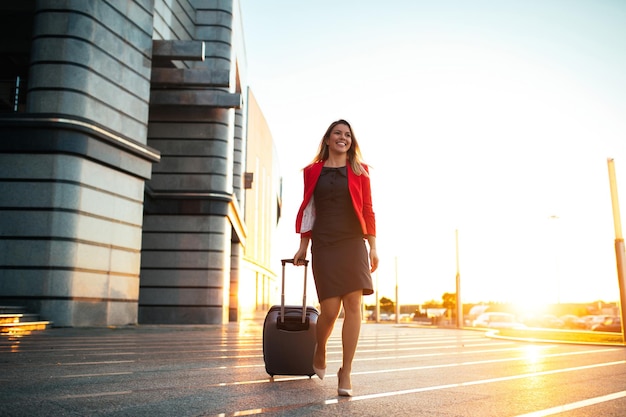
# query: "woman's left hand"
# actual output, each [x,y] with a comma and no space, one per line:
[373,260]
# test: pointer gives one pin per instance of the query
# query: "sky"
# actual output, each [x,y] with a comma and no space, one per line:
[487,120]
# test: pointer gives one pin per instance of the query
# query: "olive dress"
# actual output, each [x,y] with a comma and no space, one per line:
[339,256]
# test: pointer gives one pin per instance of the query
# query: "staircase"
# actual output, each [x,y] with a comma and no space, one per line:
[15,321]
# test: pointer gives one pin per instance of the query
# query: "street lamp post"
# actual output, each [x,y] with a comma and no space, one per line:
[619,244]
[459,303]
[557,271]
[397,293]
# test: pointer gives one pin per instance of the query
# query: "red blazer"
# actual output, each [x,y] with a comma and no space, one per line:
[360,192]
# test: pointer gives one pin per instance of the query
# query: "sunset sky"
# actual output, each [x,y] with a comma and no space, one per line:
[493,118]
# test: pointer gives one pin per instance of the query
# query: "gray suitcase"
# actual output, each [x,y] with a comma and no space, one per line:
[289,335]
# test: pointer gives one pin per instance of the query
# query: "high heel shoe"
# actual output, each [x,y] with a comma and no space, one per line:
[342,392]
[320,372]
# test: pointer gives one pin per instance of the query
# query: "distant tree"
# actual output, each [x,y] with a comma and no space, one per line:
[432,304]
[387,305]
[449,302]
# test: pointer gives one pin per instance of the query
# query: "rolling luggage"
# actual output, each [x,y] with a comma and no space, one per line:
[289,335]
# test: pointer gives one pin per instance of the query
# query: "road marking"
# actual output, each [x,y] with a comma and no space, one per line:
[99,394]
[483,381]
[92,375]
[424,389]
[575,405]
[93,363]
[410,369]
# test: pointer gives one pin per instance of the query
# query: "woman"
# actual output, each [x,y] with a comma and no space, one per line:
[337,217]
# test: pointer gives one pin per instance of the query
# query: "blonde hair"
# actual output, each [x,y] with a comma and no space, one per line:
[355,159]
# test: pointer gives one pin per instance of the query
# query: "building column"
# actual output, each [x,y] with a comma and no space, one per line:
[192,217]
[73,166]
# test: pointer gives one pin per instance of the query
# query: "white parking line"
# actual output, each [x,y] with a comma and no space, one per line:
[93,363]
[575,405]
[93,375]
[98,394]
[482,381]
[412,368]
[427,389]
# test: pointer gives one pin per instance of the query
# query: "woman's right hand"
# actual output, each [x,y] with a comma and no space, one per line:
[299,257]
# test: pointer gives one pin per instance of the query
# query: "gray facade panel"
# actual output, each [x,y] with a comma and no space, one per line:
[121,312]
[182,296]
[192,115]
[67,225]
[182,277]
[90,91]
[102,63]
[201,5]
[182,223]
[92,84]
[181,314]
[78,104]
[60,196]
[55,254]
[215,182]
[207,98]
[220,16]
[173,19]
[138,11]
[198,259]
[108,11]
[88,313]
[105,299]
[182,241]
[29,283]
[190,147]
[239,158]
[73,168]
[215,35]
[181,131]
[192,165]
[60,311]
[97,22]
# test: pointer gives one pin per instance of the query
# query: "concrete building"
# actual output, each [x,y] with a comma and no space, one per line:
[125,139]
[258,286]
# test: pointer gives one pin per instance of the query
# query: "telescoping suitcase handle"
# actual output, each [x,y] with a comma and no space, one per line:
[282,294]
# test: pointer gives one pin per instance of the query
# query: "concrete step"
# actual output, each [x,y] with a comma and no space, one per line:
[18,318]
[14,321]
[23,329]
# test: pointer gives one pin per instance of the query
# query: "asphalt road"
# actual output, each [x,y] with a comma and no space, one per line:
[219,371]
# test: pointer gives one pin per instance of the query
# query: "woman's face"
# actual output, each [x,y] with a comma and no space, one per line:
[340,139]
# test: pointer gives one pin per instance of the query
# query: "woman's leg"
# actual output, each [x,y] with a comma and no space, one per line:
[329,310]
[350,334]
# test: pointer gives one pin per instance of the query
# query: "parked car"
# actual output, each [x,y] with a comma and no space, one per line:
[594,319]
[496,320]
[549,321]
[385,317]
[573,322]
[612,324]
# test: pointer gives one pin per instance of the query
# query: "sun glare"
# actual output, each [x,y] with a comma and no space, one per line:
[533,353]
